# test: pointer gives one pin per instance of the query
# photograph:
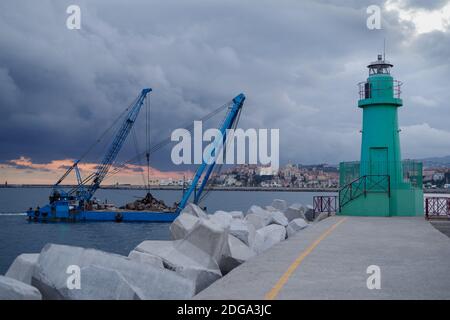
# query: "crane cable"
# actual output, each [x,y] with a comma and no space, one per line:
[161,144]
[150,149]
[107,130]
[96,142]
[136,146]
[101,137]
[147,142]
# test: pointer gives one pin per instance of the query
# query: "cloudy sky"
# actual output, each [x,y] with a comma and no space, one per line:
[298,62]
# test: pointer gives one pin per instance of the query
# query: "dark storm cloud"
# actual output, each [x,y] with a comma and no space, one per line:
[297,61]
[15,165]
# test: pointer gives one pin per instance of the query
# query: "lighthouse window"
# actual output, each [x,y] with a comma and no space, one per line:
[367,90]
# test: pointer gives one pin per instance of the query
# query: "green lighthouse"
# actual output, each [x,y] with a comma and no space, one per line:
[381,184]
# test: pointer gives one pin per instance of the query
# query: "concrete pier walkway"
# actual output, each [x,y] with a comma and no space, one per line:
[329,260]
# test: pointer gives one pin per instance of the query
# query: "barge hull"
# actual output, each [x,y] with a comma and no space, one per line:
[117,216]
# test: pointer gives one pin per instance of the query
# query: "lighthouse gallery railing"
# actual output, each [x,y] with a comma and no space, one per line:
[376,88]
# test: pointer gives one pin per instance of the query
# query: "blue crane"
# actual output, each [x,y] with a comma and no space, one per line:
[116,145]
[85,189]
[230,120]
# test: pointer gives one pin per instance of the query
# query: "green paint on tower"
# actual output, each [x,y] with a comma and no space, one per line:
[380,184]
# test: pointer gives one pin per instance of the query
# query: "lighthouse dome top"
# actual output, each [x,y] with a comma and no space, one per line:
[380,66]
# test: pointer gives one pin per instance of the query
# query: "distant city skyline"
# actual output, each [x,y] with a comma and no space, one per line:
[22,171]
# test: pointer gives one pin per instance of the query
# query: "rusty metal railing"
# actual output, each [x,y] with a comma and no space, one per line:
[437,207]
[326,204]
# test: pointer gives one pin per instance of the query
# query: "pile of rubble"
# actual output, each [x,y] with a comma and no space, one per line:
[203,249]
[149,203]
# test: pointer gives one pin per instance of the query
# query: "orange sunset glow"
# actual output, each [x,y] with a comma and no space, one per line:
[24,171]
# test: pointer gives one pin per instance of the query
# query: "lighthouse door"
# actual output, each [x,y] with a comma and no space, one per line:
[378,161]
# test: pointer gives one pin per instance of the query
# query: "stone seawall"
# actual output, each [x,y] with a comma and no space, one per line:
[203,249]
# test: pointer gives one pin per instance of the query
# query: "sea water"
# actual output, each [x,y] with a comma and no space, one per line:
[17,235]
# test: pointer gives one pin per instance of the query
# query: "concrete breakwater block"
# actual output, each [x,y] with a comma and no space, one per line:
[146,258]
[278,217]
[201,277]
[222,218]
[268,236]
[258,216]
[51,278]
[22,267]
[309,213]
[296,225]
[297,205]
[179,262]
[12,289]
[192,214]
[295,211]
[194,210]
[207,251]
[243,230]
[279,204]
[233,214]
[205,243]
[235,253]
[103,283]
[186,221]
[259,211]
[256,221]
[185,263]
[195,257]
[182,225]
[154,249]
[236,214]
[321,216]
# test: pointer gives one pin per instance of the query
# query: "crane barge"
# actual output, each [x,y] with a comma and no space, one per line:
[78,203]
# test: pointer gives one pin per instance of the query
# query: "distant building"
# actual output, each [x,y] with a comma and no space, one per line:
[438,176]
[166,182]
[267,171]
